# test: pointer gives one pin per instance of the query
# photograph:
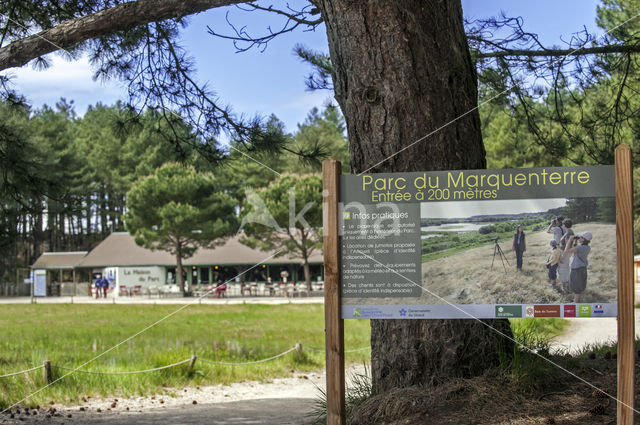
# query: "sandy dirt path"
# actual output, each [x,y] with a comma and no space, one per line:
[589,331]
[281,401]
[278,402]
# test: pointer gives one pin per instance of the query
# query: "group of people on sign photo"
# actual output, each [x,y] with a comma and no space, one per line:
[519,251]
[568,260]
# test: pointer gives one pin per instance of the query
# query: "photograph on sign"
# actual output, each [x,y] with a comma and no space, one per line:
[511,253]
[496,252]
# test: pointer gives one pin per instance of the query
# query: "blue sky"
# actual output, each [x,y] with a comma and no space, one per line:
[272,81]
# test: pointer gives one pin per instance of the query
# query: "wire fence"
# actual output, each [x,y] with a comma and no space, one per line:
[253,362]
[22,372]
[192,361]
[132,372]
[322,350]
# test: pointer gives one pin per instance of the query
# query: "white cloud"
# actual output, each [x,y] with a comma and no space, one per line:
[71,80]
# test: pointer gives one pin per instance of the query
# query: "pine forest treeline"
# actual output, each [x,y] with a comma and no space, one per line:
[65,177]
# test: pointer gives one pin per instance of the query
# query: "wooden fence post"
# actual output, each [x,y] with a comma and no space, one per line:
[626,323]
[192,364]
[334,325]
[46,371]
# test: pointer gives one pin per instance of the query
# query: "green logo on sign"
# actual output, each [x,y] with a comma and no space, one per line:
[584,310]
[508,311]
[357,312]
[346,215]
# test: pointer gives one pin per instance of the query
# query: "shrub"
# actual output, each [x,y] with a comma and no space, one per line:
[487,229]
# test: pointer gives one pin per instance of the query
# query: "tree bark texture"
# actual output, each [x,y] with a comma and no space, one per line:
[108,21]
[402,70]
[180,270]
[307,274]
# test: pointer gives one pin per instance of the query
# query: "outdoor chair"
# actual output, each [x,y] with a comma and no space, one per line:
[270,289]
[234,288]
[123,290]
[246,287]
[301,288]
[164,291]
[290,289]
[153,290]
[280,289]
[137,290]
[174,290]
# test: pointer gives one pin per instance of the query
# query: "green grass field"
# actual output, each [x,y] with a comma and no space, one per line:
[69,335]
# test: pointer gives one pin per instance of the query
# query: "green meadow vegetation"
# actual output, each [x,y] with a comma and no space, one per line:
[447,243]
[532,332]
[450,243]
[69,335]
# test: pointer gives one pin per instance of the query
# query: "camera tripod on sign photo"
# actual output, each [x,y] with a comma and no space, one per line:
[498,250]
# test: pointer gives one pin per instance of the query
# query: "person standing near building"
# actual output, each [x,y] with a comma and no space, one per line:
[519,246]
[97,285]
[105,286]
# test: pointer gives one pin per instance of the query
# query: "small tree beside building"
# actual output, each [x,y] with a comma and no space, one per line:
[286,217]
[179,210]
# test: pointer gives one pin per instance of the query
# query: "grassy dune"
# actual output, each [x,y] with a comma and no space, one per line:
[467,277]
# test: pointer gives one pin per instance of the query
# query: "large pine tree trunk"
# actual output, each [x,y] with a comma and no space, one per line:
[402,70]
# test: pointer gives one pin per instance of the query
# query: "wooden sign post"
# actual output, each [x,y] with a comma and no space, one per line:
[626,323]
[334,325]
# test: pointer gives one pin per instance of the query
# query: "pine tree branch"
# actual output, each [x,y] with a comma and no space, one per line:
[613,48]
[118,18]
[294,15]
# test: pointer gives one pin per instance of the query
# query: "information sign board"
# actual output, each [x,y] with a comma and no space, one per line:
[446,244]
[40,283]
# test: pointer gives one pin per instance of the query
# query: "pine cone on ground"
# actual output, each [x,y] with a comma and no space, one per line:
[598,409]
